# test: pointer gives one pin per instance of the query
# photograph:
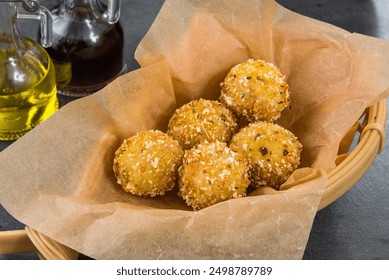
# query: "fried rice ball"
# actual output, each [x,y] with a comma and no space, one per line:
[201,120]
[146,164]
[273,152]
[255,91]
[212,173]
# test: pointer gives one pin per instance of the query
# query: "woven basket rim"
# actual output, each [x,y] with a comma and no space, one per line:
[344,176]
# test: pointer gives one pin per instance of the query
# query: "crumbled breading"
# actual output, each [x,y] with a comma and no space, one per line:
[272,151]
[201,120]
[255,91]
[146,164]
[212,173]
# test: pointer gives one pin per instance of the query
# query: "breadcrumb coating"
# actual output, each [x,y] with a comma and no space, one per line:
[212,173]
[146,164]
[255,91]
[273,152]
[202,120]
[209,171]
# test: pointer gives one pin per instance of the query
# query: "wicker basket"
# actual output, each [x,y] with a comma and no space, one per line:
[368,135]
[352,165]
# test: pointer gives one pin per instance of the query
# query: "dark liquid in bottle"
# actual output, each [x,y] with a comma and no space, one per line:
[87,52]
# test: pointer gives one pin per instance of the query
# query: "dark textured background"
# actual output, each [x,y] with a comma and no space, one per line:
[356,226]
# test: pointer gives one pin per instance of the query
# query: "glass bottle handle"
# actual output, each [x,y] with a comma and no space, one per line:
[46,22]
[113,11]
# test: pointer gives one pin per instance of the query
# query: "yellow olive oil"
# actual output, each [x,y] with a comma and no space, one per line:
[27,90]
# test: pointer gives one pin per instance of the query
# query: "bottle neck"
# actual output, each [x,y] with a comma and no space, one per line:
[71,4]
[81,8]
[110,12]
[9,29]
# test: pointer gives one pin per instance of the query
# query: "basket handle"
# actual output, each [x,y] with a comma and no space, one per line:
[381,131]
[30,240]
[16,241]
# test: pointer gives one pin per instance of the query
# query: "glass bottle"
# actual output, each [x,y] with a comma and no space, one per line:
[27,74]
[87,47]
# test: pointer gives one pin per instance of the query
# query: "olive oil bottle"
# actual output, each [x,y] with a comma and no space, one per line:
[27,76]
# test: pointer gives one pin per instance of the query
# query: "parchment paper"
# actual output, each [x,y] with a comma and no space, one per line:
[58,178]
[333,75]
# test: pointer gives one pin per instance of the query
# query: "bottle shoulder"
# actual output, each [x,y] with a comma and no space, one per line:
[80,21]
[27,49]
[23,68]
[88,31]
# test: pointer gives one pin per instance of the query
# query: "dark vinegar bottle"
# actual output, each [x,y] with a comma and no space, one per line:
[87,47]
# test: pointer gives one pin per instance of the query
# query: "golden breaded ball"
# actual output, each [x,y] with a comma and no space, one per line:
[146,164]
[255,91]
[273,152]
[212,173]
[201,120]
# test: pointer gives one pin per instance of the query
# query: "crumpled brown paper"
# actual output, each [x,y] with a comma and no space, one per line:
[58,178]
[333,75]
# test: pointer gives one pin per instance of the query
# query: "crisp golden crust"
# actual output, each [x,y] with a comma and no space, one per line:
[272,151]
[146,164]
[255,91]
[201,120]
[212,173]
